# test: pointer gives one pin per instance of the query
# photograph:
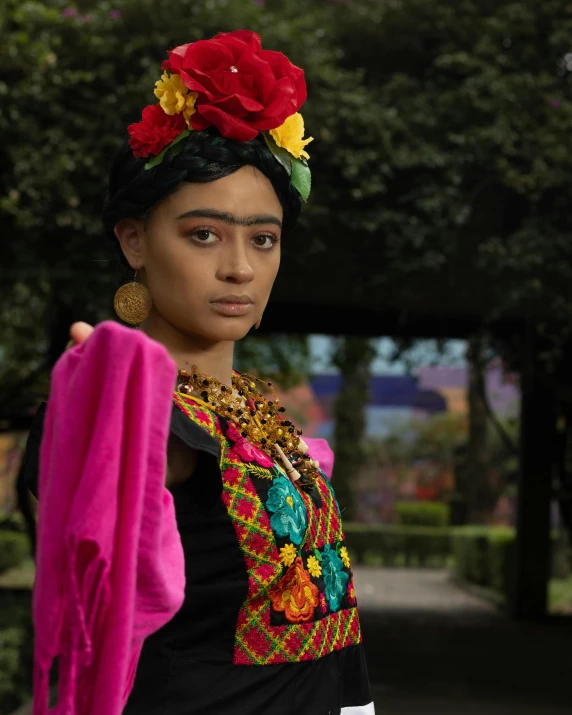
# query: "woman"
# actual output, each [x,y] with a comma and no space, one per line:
[199,201]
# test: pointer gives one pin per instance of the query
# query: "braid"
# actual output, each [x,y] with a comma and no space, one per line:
[205,157]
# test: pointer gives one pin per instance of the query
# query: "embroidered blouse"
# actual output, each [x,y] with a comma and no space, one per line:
[269,624]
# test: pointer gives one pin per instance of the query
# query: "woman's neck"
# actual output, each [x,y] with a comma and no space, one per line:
[213,358]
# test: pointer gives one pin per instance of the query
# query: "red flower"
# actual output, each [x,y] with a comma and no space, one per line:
[295,594]
[351,593]
[155,131]
[242,88]
[246,451]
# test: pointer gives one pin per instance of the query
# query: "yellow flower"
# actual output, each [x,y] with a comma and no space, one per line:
[288,554]
[175,97]
[290,136]
[345,557]
[314,567]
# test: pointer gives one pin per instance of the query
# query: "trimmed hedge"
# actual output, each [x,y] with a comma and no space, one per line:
[423,513]
[484,556]
[398,545]
[14,548]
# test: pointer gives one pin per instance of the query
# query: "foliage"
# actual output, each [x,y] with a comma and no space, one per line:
[437,446]
[353,357]
[11,641]
[13,549]
[436,438]
[484,556]
[16,649]
[72,79]
[285,359]
[560,596]
[440,150]
[468,151]
[422,513]
[398,545]
[12,521]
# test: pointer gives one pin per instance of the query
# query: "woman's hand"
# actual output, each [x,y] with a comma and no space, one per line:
[79,333]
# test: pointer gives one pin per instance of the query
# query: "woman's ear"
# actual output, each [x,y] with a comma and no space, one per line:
[130,233]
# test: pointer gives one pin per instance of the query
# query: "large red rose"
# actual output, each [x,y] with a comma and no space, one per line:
[242,89]
[155,131]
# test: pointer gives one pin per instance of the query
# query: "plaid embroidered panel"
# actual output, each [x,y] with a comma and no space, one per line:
[301,601]
[200,414]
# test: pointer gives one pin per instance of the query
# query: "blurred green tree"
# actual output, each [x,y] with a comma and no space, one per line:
[353,357]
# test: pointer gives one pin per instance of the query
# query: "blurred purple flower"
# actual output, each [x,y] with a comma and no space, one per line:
[556,104]
[69,12]
[85,18]
[260,3]
[115,14]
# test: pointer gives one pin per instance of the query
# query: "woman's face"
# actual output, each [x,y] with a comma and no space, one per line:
[209,254]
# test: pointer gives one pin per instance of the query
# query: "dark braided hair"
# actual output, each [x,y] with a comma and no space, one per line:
[204,157]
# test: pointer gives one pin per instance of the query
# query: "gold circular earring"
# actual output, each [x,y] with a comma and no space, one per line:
[133,302]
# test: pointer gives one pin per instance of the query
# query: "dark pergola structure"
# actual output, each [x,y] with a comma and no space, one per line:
[331,292]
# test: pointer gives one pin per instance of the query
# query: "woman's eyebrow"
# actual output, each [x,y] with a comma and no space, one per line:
[231,219]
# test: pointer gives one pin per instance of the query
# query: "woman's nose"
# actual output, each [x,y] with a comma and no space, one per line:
[235,266]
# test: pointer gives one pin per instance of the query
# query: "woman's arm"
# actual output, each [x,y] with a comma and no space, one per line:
[181,459]
[181,462]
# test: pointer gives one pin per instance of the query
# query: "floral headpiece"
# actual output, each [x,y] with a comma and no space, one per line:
[231,83]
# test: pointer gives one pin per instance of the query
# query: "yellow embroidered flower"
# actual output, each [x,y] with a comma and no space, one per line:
[175,97]
[288,554]
[345,557]
[314,567]
[290,136]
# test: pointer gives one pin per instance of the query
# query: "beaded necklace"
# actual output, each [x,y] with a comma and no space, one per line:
[258,419]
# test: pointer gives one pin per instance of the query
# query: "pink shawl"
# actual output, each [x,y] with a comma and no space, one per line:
[320,450]
[110,565]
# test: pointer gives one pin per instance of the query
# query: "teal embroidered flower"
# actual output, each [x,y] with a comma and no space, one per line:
[288,510]
[335,579]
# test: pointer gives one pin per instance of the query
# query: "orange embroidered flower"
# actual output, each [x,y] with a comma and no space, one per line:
[295,594]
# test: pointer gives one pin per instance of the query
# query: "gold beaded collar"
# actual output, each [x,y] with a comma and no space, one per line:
[260,420]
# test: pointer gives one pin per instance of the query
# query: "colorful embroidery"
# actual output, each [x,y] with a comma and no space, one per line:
[300,604]
[335,579]
[351,594]
[246,450]
[261,472]
[288,554]
[201,415]
[288,510]
[314,567]
[295,594]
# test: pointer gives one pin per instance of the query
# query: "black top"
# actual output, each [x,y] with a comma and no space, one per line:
[269,623]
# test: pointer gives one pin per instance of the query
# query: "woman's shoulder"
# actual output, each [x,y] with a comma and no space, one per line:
[197,428]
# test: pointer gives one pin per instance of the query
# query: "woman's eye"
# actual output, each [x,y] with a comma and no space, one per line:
[264,241]
[204,235]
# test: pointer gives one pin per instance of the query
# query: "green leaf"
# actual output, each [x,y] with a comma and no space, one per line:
[317,554]
[159,158]
[301,178]
[284,157]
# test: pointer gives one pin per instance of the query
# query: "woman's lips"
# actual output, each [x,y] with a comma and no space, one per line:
[231,308]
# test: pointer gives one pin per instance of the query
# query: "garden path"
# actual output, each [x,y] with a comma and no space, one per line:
[434,649]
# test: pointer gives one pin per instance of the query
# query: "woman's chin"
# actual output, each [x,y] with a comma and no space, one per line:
[229,330]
